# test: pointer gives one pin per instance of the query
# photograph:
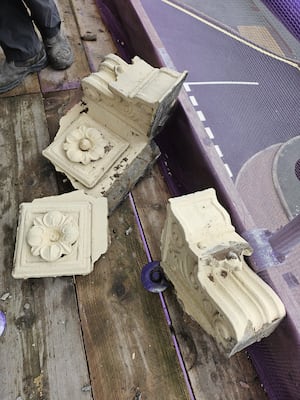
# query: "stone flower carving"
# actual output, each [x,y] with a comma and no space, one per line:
[52,235]
[85,144]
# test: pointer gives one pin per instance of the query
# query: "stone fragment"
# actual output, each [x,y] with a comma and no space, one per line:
[60,235]
[104,144]
[203,256]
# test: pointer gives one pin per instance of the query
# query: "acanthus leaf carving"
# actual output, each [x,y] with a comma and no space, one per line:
[203,256]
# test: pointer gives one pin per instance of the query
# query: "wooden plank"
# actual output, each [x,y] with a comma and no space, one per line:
[95,37]
[29,85]
[41,352]
[70,78]
[57,104]
[127,342]
[211,374]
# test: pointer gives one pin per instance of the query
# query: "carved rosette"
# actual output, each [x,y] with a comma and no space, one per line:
[52,235]
[84,145]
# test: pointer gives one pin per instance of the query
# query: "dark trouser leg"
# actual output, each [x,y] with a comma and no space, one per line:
[18,38]
[45,15]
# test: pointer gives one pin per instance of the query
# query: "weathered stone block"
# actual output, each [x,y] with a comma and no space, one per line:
[110,132]
[60,235]
[203,256]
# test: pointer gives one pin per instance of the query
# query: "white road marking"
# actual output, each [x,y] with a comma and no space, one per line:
[201,116]
[193,101]
[232,35]
[209,132]
[188,84]
[217,147]
[228,170]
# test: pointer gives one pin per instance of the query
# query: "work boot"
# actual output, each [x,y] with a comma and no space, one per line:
[59,52]
[12,73]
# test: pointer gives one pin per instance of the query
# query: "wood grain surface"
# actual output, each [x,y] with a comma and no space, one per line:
[128,344]
[101,337]
[41,351]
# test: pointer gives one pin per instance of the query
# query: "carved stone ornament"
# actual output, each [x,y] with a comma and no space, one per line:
[60,235]
[85,145]
[52,235]
[104,144]
[203,256]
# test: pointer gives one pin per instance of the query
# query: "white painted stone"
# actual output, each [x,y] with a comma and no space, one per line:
[203,256]
[60,235]
[104,144]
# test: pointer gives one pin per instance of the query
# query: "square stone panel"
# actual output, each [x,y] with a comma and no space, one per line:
[105,143]
[77,163]
[77,258]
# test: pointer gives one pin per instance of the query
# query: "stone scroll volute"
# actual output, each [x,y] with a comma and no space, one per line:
[203,256]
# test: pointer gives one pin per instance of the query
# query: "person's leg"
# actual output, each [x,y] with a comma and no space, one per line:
[45,16]
[18,38]
[22,48]
[47,19]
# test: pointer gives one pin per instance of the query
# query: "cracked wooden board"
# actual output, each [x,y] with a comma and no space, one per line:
[42,344]
[127,343]
[128,346]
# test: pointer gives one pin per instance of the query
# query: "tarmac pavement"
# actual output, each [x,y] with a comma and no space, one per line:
[246,100]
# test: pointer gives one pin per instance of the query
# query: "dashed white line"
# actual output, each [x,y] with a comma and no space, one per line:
[217,147]
[209,132]
[201,116]
[193,101]
[228,170]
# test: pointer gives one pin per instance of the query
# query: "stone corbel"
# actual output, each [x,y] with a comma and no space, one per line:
[60,235]
[203,257]
[104,144]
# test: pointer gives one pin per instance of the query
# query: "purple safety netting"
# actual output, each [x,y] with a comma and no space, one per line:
[288,11]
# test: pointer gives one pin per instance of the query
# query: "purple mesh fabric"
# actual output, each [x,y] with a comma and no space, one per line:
[288,11]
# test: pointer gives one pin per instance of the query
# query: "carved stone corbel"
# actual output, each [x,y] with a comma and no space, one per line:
[203,256]
[60,235]
[104,144]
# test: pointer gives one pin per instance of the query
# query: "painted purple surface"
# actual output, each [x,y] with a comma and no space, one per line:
[243,118]
[153,278]
[288,11]
[109,15]
[2,322]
